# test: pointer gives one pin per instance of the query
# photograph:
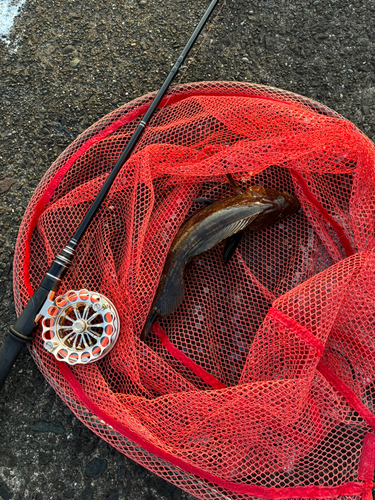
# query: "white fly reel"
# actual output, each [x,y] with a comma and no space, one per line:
[80,327]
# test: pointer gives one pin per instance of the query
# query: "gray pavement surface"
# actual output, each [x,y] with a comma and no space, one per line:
[65,64]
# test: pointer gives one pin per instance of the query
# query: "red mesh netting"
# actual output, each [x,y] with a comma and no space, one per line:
[262,383]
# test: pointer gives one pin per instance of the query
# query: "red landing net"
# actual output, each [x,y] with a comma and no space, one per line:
[262,383]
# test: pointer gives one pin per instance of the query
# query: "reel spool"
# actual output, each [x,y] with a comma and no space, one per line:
[80,327]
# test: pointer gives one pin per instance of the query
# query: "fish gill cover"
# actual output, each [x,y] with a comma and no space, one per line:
[262,383]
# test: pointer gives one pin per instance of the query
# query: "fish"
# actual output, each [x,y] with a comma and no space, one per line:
[252,210]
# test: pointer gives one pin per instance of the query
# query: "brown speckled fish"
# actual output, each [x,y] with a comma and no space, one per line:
[253,210]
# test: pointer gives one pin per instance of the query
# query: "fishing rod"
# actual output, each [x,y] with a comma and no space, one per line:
[22,331]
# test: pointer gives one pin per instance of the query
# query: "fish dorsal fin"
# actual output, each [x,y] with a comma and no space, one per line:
[224,232]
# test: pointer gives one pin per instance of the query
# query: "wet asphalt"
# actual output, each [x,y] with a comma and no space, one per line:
[67,63]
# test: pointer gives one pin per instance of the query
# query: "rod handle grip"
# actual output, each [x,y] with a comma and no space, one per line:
[25,326]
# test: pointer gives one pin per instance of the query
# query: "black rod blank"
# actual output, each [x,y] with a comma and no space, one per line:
[22,331]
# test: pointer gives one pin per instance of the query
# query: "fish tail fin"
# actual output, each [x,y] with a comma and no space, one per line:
[172,296]
[149,322]
[168,301]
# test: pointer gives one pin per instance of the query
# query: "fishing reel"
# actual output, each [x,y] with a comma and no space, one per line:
[79,327]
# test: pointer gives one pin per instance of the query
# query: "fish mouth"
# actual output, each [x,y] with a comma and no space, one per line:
[292,207]
[293,201]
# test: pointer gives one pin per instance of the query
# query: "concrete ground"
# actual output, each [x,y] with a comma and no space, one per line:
[65,64]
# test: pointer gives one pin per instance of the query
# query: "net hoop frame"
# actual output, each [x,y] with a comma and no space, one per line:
[196,481]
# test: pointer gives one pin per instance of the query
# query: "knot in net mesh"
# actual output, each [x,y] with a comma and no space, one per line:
[262,383]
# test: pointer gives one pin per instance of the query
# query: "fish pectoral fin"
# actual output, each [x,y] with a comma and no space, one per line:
[224,232]
[230,246]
